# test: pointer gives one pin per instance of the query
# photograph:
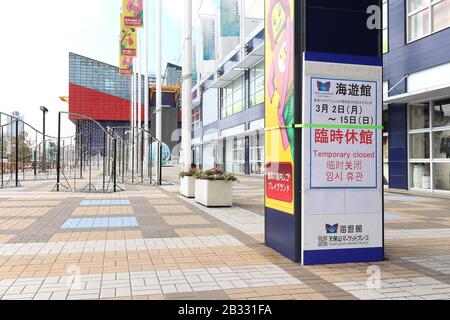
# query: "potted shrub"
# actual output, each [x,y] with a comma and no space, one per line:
[214,188]
[187,183]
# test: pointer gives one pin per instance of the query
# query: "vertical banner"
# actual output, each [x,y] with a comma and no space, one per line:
[194,65]
[209,38]
[126,66]
[279,121]
[133,13]
[128,40]
[230,24]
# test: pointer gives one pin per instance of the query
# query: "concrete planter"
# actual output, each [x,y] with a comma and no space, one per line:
[187,187]
[214,193]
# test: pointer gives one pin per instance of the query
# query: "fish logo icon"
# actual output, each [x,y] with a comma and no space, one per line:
[332,229]
[324,86]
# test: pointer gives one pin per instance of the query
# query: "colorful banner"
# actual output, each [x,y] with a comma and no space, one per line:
[133,13]
[126,66]
[230,24]
[209,39]
[280,105]
[128,40]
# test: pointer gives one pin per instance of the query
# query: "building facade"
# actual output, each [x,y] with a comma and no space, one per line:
[98,91]
[228,108]
[228,99]
[417,95]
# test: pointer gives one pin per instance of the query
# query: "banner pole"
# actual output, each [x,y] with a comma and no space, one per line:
[146,84]
[187,88]
[158,81]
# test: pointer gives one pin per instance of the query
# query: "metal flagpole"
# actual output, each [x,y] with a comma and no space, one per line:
[158,85]
[131,134]
[146,84]
[139,103]
[187,87]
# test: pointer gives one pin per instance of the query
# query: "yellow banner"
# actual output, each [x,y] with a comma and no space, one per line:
[126,66]
[128,40]
[279,17]
[133,13]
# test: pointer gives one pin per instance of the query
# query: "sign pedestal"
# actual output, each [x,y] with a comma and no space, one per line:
[324,190]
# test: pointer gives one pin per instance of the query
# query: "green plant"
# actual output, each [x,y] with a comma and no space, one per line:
[214,175]
[189,173]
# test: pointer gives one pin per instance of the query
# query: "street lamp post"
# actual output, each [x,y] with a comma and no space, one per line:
[44,165]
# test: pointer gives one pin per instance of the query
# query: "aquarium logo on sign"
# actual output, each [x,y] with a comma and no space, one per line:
[324,86]
[332,229]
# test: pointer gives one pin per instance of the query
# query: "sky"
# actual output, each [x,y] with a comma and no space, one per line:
[37,37]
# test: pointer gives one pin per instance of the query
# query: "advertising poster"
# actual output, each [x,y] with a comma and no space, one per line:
[229,18]
[126,66]
[128,40]
[342,214]
[279,105]
[209,38]
[133,13]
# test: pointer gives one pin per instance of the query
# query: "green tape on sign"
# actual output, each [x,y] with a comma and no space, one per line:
[328,126]
[337,126]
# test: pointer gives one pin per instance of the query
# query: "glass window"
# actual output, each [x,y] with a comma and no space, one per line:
[418,25]
[239,155]
[414,5]
[257,84]
[441,15]
[419,116]
[442,176]
[196,123]
[427,16]
[419,146]
[420,176]
[441,116]
[385,26]
[233,98]
[441,145]
[257,154]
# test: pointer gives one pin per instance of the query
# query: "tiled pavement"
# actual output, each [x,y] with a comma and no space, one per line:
[149,243]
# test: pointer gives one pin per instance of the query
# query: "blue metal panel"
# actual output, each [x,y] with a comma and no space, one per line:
[398,147]
[421,54]
[249,115]
[335,27]
[343,256]
[280,232]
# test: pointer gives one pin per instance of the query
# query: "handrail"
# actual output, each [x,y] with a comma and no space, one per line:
[30,126]
[146,131]
[88,118]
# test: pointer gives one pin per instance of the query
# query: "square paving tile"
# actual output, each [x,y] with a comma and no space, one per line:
[185,220]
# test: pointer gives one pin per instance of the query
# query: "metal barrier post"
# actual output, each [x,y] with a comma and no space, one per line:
[160,165]
[17,152]
[1,148]
[115,165]
[58,155]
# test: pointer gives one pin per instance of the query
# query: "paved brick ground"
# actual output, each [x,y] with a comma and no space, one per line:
[149,243]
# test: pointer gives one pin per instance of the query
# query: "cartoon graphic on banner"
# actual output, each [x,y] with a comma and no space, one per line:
[279,105]
[133,13]
[281,70]
[229,18]
[128,40]
[126,66]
